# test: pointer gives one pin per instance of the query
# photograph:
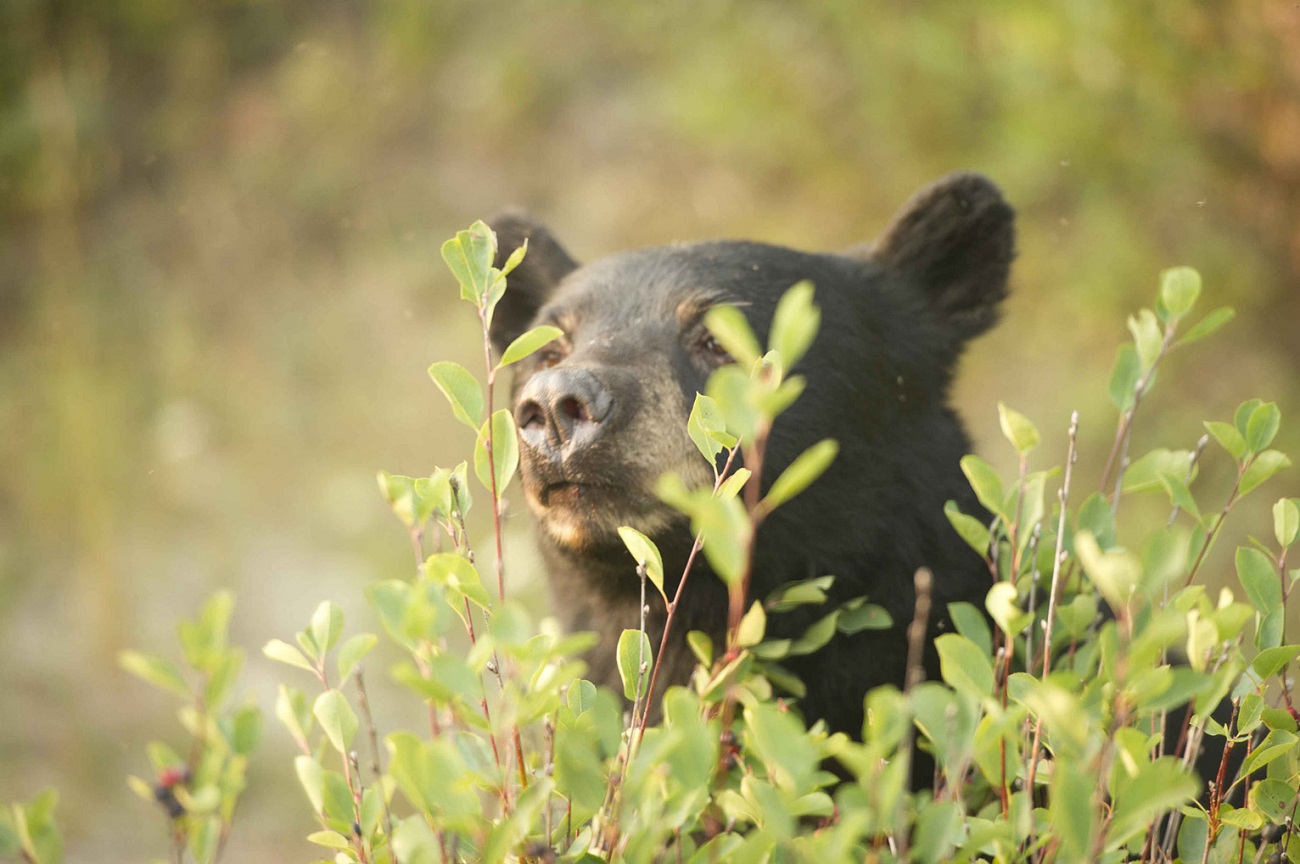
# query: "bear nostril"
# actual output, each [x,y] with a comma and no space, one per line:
[530,415]
[574,409]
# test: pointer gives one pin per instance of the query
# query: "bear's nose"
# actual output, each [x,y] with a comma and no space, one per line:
[562,409]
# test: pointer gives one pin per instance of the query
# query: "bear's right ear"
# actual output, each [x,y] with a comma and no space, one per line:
[531,283]
[954,242]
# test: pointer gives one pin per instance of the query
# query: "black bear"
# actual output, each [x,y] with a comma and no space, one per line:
[602,413]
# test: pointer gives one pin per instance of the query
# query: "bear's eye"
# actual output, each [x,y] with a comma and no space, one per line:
[550,355]
[713,350]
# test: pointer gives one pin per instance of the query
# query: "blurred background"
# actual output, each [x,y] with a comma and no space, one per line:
[220,283]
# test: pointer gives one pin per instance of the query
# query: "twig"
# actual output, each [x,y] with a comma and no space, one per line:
[914,674]
[491,458]
[1125,429]
[677,596]
[363,702]
[1058,558]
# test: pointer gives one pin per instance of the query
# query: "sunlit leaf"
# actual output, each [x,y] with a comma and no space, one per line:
[336,719]
[800,474]
[633,654]
[794,324]
[645,553]
[505,452]
[1018,429]
[729,326]
[529,342]
[462,391]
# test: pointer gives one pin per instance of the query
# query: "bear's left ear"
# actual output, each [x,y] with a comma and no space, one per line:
[531,283]
[954,241]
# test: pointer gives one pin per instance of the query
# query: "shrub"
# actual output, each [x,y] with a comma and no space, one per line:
[1065,727]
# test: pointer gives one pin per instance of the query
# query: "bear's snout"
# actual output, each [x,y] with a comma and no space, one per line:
[562,410]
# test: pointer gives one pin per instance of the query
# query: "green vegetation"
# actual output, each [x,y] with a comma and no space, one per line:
[215,281]
[1062,734]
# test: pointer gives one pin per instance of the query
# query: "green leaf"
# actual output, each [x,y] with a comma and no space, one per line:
[1260,579]
[794,594]
[970,529]
[1116,573]
[222,676]
[459,578]
[1018,429]
[312,779]
[1262,426]
[326,626]
[1001,603]
[730,388]
[807,467]
[505,452]
[729,327]
[794,324]
[469,256]
[752,626]
[529,342]
[701,646]
[817,635]
[1286,521]
[708,429]
[462,391]
[1070,809]
[867,616]
[1241,419]
[736,481]
[1150,470]
[1276,744]
[156,670]
[1261,468]
[1271,661]
[336,718]
[516,258]
[1124,378]
[204,639]
[972,624]
[727,531]
[330,839]
[1207,325]
[1179,288]
[1273,798]
[633,652]
[1156,787]
[1095,516]
[399,491]
[986,483]
[964,666]
[1228,437]
[1147,338]
[645,553]
[938,829]
[352,652]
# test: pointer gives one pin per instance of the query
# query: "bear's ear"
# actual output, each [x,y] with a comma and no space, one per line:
[954,241]
[533,281]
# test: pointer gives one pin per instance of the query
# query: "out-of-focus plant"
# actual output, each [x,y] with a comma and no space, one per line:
[1073,715]
[197,786]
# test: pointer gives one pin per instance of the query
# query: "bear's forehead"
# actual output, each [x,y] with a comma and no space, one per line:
[682,281]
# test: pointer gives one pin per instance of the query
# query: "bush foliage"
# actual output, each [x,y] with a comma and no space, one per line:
[1070,715]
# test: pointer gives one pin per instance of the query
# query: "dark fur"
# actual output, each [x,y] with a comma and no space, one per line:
[895,317]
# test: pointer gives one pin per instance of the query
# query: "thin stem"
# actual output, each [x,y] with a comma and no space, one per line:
[1218,523]
[677,596]
[914,674]
[1058,558]
[1119,449]
[491,459]
[376,767]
